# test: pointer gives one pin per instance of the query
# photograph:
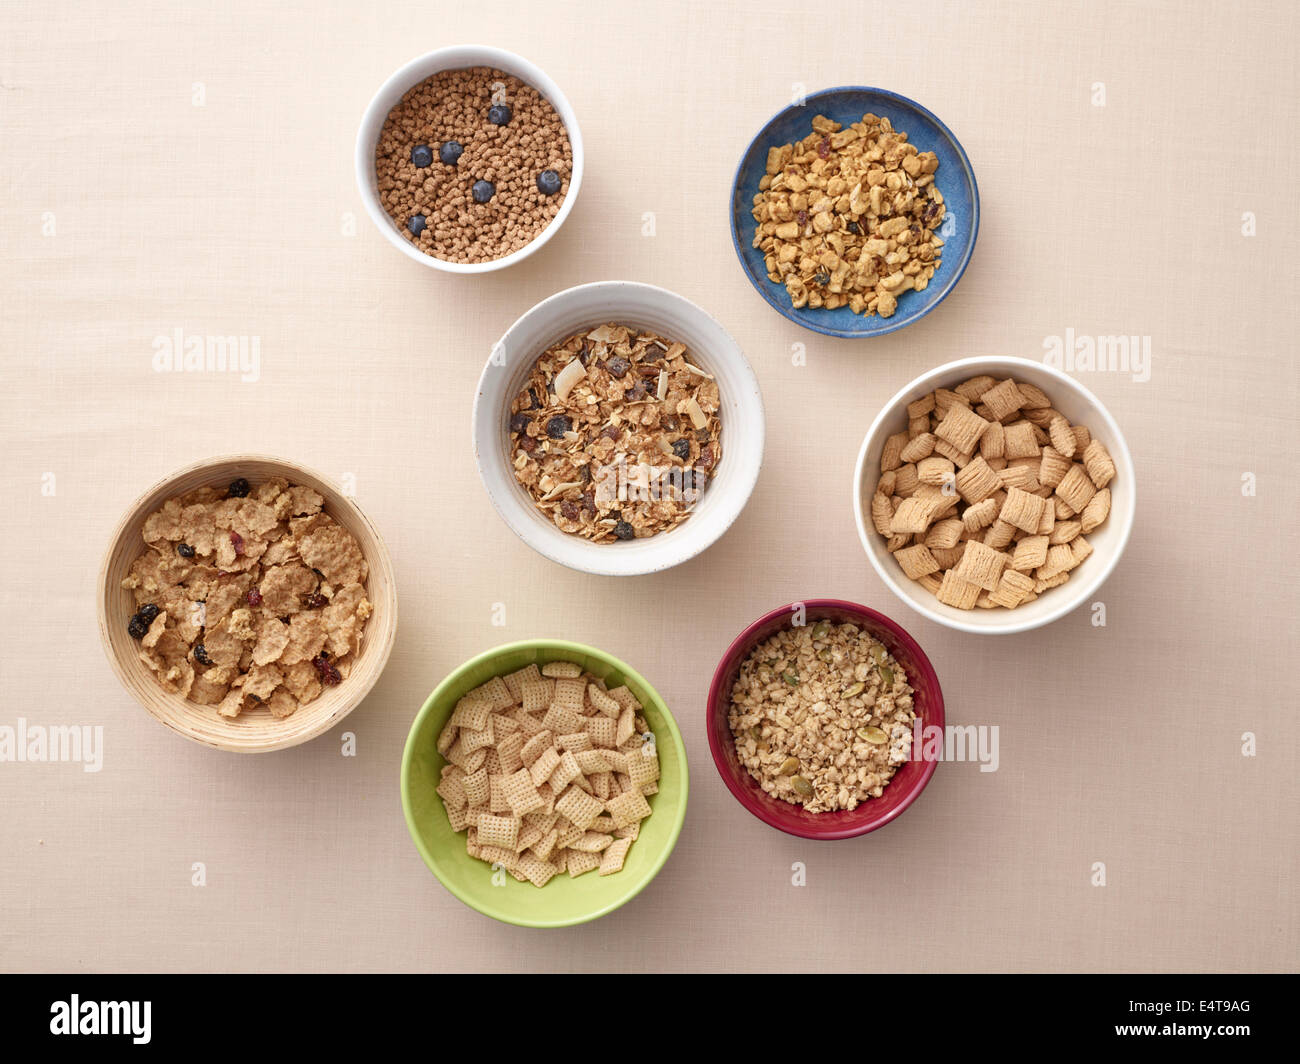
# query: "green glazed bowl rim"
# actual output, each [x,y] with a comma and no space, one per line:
[558,648]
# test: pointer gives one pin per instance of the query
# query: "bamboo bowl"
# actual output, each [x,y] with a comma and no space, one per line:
[254,730]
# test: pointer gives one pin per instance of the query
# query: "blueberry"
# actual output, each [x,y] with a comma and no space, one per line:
[482,191]
[184,550]
[137,627]
[422,155]
[618,366]
[201,655]
[417,224]
[682,449]
[624,531]
[238,489]
[557,427]
[519,422]
[548,182]
[499,114]
[450,152]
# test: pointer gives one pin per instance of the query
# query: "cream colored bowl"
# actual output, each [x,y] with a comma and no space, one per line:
[254,730]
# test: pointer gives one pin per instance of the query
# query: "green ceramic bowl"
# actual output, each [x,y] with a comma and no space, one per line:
[563,901]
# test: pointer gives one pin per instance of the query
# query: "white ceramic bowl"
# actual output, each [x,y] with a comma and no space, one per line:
[417,70]
[1108,542]
[672,317]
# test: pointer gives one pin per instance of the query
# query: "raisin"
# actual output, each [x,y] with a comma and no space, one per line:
[853,227]
[682,449]
[705,459]
[612,432]
[238,489]
[520,422]
[148,612]
[558,426]
[569,509]
[527,444]
[201,655]
[328,674]
[184,550]
[624,531]
[136,628]
[637,392]
[315,601]
[618,366]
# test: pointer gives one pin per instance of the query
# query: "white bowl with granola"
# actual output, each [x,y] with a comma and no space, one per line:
[994,495]
[247,603]
[618,428]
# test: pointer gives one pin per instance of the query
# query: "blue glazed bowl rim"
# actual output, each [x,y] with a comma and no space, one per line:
[900,320]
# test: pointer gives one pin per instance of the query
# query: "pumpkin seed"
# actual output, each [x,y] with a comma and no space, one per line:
[887,675]
[872,734]
[877,653]
[854,689]
[755,733]
[801,786]
[820,629]
[790,677]
[825,655]
[788,767]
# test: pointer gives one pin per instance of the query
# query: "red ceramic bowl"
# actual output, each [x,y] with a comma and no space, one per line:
[908,781]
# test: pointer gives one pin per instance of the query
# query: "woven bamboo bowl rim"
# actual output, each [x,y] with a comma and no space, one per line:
[254,730]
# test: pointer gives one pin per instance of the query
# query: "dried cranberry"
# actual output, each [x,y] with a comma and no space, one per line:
[519,422]
[824,148]
[801,217]
[237,541]
[254,596]
[328,674]
[705,459]
[527,444]
[618,366]
[569,509]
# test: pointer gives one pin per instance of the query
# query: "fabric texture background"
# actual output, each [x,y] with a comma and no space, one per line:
[167,169]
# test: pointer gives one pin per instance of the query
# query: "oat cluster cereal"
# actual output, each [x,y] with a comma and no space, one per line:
[473,164]
[988,498]
[847,216]
[248,596]
[616,433]
[548,772]
[822,716]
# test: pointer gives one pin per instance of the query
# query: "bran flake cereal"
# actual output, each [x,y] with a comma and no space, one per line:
[248,596]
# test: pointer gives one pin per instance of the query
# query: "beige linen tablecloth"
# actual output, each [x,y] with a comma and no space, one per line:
[169,171]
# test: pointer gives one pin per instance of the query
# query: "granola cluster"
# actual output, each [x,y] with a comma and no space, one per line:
[616,433]
[822,716]
[847,216]
[248,596]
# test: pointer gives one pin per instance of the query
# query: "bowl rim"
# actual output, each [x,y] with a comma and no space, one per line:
[120,529]
[716,705]
[1120,453]
[899,321]
[454,57]
[560,646]
[598,559]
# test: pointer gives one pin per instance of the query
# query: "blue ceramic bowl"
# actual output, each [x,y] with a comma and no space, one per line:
[955,179]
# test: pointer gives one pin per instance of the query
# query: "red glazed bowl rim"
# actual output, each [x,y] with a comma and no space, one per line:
[790,819]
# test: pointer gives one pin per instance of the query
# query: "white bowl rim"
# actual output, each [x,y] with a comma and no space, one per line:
[599,559]
[1000,622]
[455,57]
